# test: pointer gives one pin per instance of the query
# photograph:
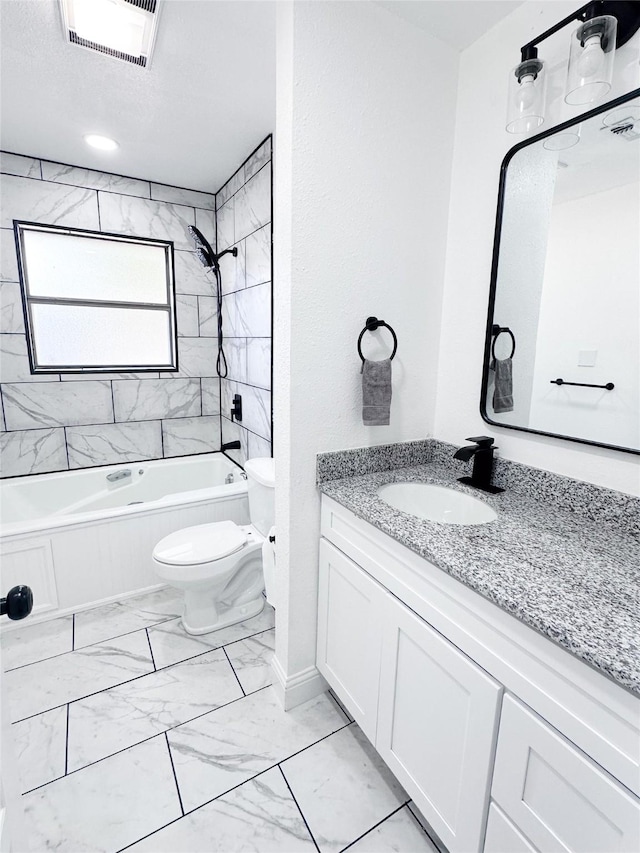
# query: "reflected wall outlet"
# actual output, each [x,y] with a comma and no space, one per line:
[587,357]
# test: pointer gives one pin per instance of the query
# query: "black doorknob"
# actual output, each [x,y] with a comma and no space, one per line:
[18,603]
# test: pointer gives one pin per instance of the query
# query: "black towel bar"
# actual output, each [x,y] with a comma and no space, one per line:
[371,325]
[608,387]
[496,331]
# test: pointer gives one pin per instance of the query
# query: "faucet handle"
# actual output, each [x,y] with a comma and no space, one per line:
[482,440]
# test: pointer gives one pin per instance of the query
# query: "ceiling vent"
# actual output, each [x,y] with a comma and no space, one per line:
[122,29]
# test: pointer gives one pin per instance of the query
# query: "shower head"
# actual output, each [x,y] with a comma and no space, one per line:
[204,251]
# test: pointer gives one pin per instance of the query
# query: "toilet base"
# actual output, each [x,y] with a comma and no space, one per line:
[229,617]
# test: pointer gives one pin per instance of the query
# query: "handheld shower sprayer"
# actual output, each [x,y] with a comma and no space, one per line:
[207,257]
[211,261]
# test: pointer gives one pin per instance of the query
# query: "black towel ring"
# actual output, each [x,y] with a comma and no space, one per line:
[496,331]
[370,326]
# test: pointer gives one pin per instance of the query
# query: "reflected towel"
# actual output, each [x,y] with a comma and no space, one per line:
[376,392]
[503,385]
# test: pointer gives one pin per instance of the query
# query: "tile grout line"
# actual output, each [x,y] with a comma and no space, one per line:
[375,826]
[66,745]
[120,683]
[413,815]
[137,743]
[173,770]
[293,797]
[196,809]
[89,645]
[179,725]
[233,670]
[153,660]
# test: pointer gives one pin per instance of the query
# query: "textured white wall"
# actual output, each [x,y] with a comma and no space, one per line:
[480,144]
[364,122]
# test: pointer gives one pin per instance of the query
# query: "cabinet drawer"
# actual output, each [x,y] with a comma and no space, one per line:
[437,721]
[350,634]
[555,795]
[502,836]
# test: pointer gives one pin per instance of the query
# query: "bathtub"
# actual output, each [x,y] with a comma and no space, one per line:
[80,538]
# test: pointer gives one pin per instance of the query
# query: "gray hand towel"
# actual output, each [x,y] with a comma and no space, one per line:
[503,385]
[376,392]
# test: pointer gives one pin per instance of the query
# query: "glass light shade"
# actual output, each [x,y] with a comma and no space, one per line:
[591,60]
[526,101]
[561,141]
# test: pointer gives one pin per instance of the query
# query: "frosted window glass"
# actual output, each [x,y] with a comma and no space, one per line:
[96,336]
[70,266]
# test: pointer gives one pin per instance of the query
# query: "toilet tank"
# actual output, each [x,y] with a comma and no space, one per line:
[261,480]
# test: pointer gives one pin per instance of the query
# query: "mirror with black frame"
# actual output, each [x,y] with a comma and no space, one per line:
[562,349]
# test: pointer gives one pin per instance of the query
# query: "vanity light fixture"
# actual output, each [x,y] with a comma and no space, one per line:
[605,25]
[123,29]
[103,143]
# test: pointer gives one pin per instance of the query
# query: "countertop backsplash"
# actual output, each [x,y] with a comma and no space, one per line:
[594,503]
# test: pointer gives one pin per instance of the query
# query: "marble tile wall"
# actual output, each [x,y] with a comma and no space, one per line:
[244,220]
[51,423]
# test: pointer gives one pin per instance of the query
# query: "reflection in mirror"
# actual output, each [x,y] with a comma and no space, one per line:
[565,291]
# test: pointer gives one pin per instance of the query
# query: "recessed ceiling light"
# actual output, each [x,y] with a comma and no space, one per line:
[104,143]
[124,29]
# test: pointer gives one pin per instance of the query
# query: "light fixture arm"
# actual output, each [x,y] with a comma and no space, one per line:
[627,13]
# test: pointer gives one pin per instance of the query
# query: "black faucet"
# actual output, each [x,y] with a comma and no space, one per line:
[482,452]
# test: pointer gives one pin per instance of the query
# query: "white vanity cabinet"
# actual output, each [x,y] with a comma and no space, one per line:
[556,796]
[430,711]
[350,608]
[506,742]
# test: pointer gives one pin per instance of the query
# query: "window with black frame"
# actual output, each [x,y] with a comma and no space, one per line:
[96,302]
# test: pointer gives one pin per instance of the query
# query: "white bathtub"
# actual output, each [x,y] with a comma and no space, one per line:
[77,538]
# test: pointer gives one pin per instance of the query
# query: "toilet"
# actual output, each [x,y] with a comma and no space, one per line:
[219,565]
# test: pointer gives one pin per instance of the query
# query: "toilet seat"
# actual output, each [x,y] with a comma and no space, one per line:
[204,543]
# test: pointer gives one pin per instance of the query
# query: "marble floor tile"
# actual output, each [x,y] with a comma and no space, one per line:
[130,614]
[227,747]
[260,815]
[171,643]
[400,833]
[40,745]
[342,787]
[122,716]
[106,806]
[31,643]
[251,660]
[45,685]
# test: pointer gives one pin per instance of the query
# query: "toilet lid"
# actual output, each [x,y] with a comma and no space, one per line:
[200,544]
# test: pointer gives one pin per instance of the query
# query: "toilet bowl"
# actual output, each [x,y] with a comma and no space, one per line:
[219,565]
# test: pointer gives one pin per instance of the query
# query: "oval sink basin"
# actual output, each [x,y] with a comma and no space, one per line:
[436,503]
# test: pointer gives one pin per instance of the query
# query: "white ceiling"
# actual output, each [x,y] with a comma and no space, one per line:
[457,22]
[190,119]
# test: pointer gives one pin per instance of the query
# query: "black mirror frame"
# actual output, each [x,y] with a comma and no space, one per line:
[634,93]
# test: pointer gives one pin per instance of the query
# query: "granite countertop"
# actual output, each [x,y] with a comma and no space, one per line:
[573,580]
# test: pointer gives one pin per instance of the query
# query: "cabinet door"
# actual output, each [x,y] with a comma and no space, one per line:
[558,797]
[350,634]
[502,836]
[437,720]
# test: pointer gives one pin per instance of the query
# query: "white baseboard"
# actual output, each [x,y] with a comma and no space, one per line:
[48,616]
[293,690]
